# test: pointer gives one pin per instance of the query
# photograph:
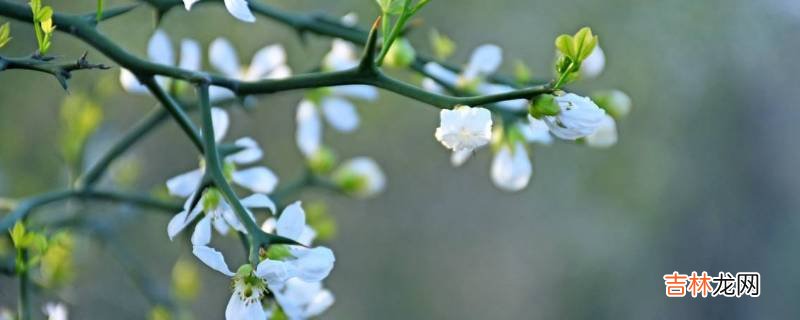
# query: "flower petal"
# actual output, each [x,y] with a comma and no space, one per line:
[292,221]
[275,273]
[340,113]
[266,60]
[511,171]
[358,91]
[180,221]
[130,83]
[220,121]
[159,49]
[460,157]
[309,128]
[212,258]
[313,264]
[484,60]
[240,10]
[190,55]
[257,179]
[185,184]
[223,57]
[217,93]
[258,200]
[441,73]
[189,3]
[593,65]
[321,302]
[237,309]
[251,152]
[202,232]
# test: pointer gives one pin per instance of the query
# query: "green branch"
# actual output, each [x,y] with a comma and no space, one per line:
[26,206]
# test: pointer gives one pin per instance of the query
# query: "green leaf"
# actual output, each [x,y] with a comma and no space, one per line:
[5,32]
[45,13]
[585,42]
[392,7]
[566,45]
[17,234]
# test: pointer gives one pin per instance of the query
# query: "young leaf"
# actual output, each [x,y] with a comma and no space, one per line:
[5,32]
[392,7]
[443,47]
[18,234]
[566,45]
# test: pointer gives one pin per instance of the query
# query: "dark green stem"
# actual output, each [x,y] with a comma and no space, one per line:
[24,307]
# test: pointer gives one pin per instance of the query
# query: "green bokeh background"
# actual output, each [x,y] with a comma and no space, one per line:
[704,177]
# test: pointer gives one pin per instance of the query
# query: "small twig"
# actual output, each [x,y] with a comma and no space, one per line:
[62,72]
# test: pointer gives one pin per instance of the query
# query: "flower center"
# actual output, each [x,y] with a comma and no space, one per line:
[247,286]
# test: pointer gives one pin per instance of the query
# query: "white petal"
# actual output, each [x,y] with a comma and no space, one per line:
[367,169]
[233,219]
[180,221]
[216,93]
[491,88]
[213,259]
[220,121]
[237,309]
[431,85]
[159,49]
[460,157]
[258,179]
[185,184]
[313,264]
[309,128]
[130,83]
[54,311]
[251,152]
[202,232]
[358,91]
[258,200]
[307,236]
[240,10]
[340,113]
[593,65]
[189,3]
[266,60]
[342,56]
[484,60]
[441,73]
[275,273]
[292,221]
[269,225]
[190,55]
[221,225]
[606,134]
[280,72]
[511,171]
[536,131]
[321,302]
[223,57]
[350,19]
[464,128]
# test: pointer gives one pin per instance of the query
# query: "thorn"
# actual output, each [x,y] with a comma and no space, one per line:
[368,57]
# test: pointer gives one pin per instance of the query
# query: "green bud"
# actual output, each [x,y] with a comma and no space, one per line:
[5,34]
[544,105]
[615,102]
[350,182]
[322,161]
[443,46]
[159,313]
[185,280]
[320,219]
[522,73]
[245,270]
[211,199]
[401,54]
[278,252]
[18,234]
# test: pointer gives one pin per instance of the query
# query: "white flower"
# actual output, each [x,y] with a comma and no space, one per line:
[267,63]
[261,180]
[338,111]
[360,176]
[511,169]
[237,8]
[606,134]
[55,311]
[579,117]
[464,128]
[535,131]
[593,65]
[309,265]
[484,61]
[159,50]
[303,300]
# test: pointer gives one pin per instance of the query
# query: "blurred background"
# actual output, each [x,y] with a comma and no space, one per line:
[704,177]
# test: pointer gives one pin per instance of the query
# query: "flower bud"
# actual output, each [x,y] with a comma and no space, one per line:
[322,161]
[401,54]
[579,117]
[361,177]
[615,102]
